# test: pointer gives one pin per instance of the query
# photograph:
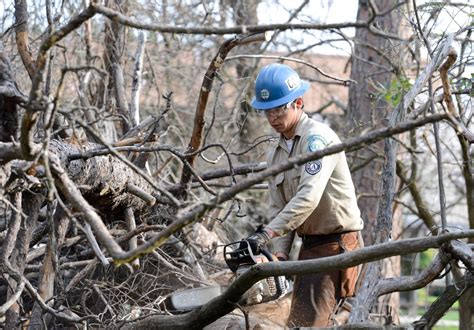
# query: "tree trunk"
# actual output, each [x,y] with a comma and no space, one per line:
[114,48]
[245,13]
[367,110]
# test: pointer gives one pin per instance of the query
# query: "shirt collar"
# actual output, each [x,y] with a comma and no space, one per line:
[300,125]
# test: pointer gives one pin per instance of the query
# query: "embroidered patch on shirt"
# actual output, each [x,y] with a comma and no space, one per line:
[316,142]
[313,167]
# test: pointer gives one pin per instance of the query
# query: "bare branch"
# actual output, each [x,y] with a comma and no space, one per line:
[444,302]
[131,225]
[125,20]
[93,242]
[140,193]
[13,298]
[423,211]
[206,88]
[119,88]
[22,36]
[443,70]
[136,83]
[344,82]
[35,102]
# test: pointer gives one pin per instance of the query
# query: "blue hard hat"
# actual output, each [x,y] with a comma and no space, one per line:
[276,85]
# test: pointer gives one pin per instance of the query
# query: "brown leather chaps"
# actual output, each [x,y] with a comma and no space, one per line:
[315,296]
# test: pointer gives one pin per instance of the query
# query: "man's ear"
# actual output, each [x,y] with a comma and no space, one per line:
[299,103]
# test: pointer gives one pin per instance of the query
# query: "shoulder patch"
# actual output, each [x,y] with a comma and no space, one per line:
[313,167]
[316,142]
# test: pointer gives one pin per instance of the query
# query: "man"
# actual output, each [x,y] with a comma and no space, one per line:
[317,200]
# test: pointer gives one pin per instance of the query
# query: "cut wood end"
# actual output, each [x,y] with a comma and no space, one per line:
[269,35]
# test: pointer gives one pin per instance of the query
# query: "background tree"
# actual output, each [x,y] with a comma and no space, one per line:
[379,58]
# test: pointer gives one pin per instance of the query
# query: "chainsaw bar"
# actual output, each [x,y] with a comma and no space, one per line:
[194,298]
[239,258]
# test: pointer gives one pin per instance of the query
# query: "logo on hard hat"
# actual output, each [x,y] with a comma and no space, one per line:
[264,94]
[292,82]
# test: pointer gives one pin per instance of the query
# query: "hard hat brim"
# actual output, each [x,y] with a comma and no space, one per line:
[259,105]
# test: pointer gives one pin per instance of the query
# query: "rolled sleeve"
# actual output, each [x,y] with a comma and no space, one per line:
[283,244]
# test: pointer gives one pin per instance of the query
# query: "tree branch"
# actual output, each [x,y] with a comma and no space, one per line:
[206,88]
[243,29]
[344,82]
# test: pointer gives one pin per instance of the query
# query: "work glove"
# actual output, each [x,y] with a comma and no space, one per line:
[258,240]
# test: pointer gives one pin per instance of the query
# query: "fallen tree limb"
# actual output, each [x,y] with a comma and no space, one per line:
[225,303]
[74,196]
[409,283]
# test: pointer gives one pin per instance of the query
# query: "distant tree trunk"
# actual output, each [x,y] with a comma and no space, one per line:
[466,301]
[245,13]
[10,95]
[367,111]
[114,47]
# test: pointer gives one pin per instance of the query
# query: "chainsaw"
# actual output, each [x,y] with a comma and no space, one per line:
[239,258]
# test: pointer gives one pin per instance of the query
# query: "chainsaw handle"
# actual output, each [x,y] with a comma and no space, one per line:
[239,253]
[278,283]
[267,254]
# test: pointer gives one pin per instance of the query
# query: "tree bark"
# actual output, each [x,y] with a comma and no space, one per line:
[105,176]
[22,36]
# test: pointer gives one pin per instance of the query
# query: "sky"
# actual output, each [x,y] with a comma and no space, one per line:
[327,11]
[334,11]
[330,11]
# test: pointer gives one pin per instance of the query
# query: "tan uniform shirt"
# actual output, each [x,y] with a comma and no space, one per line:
[317,198]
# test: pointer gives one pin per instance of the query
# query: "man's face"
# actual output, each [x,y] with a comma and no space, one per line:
[282,118]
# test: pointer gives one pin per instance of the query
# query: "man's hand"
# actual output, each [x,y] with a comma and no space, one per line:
[258,240]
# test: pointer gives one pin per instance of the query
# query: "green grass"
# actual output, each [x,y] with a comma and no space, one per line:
[425,301]
[431,298]
[451,316]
